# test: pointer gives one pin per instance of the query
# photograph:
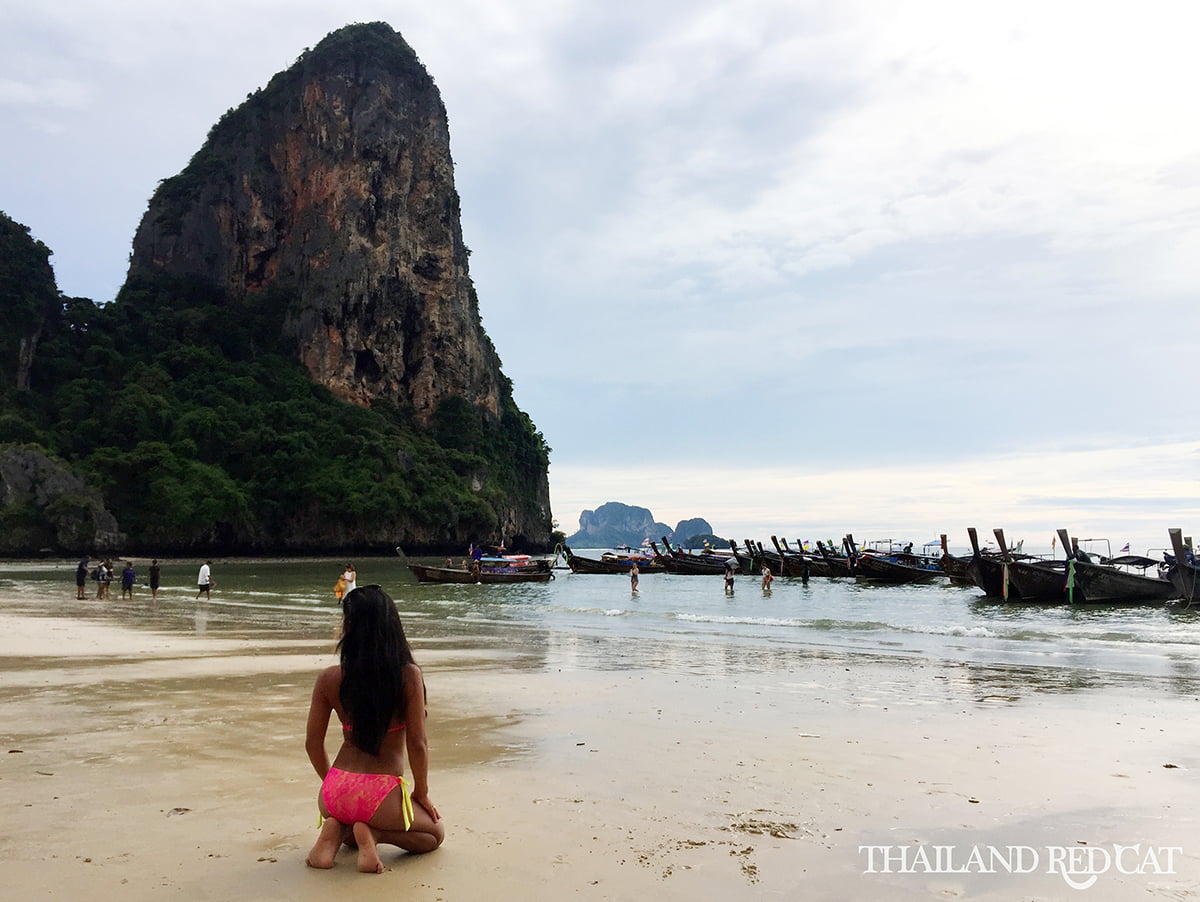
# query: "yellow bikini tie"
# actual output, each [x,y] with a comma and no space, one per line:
[406,803]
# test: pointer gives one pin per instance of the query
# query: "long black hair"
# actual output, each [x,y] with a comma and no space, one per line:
[374,652]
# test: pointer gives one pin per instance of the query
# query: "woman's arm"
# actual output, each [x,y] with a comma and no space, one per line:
[324,692]
[415,739]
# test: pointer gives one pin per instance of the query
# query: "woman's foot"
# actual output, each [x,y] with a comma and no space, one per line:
[368,853]
[325,849]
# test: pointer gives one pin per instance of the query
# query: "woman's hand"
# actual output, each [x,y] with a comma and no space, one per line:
[422,799]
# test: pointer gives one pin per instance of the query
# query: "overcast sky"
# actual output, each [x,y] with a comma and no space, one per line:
[894,268]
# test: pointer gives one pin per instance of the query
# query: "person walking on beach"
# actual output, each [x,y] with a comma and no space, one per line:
[729,566]
[128,576]
[204,581]
[633,576]
[81,575]
[155,576]
[378,694]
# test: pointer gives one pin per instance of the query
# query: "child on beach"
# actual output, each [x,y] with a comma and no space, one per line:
[378,694]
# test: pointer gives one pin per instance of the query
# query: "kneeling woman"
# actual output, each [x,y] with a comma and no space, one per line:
[379,695]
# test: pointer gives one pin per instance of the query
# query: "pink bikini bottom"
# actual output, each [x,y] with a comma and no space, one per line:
[351,798]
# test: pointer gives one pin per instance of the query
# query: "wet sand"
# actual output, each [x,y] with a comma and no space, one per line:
[141,765]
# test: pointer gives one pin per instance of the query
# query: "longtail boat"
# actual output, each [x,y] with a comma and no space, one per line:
[680,562]
[1100,583]
[988,572]
[953,566]
[473,575]
[836,564]
[611,562]
[792,563]
[1035,580]
[749,560]
[896,567]
[1184,572]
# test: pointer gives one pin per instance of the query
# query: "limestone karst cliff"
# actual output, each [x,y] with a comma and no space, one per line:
[614,523]
[44,505]
[296,361]
[334,185]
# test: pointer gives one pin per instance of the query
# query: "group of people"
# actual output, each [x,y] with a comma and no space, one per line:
[103,575]
[730,571]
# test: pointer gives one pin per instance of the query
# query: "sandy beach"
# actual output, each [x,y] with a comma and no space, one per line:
[147,765]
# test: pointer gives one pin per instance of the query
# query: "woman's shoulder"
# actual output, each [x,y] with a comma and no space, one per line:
[330,677]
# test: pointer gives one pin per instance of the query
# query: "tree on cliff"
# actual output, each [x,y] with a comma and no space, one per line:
[28,298]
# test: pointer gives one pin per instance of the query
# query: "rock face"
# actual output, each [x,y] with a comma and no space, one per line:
[43,505]
[326,204]
[697,526]
[615,523]
[333,188]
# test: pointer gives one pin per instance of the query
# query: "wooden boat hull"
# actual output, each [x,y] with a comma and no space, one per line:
[1184,574]
[1185,578]
[798,565]
[692,566]
[988,574]
[455,575]
[956,567]
[1045,582]
[594,565]
[872,566]
[1108,584]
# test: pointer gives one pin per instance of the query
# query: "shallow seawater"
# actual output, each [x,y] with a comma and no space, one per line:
[685,624]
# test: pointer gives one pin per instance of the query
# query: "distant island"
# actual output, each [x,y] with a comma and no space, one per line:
[613,524]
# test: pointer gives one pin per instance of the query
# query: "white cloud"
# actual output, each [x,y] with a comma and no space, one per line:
[53,92]
[979,210]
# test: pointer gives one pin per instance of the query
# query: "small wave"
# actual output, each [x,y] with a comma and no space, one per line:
[748,621]
[863,625]
[602,612]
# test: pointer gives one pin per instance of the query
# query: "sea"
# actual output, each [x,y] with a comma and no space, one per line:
[674,623]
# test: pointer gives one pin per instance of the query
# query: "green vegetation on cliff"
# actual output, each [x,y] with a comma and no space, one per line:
[204,433]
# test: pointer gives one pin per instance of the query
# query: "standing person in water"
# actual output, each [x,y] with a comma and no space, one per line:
[633,576]
[81,575]
[128,577]
[767,578]
[155,579]
[378,694]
